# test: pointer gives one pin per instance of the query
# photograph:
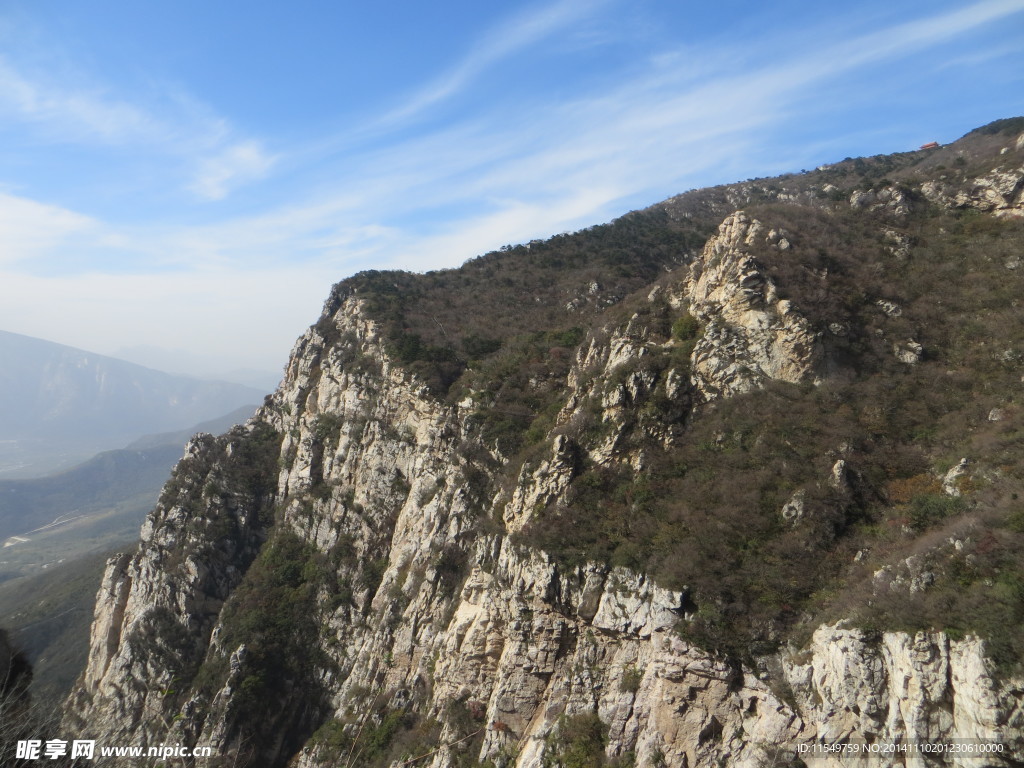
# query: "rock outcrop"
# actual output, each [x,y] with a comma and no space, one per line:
[750,334]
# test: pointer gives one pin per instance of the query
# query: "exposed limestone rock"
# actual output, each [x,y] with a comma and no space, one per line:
[840,479]
[910,352]
[890,308]
[1000,192]
[936,191]
[950,481]
[903,688]
[749,333]
[541,486]
[891,200]
[777,237]
[179,578]
[910,575]
[110,605]
[793,510]
[899,243]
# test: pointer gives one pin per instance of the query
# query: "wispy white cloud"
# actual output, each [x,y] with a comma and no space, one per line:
[975,59]
[72,115]
[440,198]
[508,39]
[899,40]
[234,165]
[173,124]
[30,230]
[905,38]
[654,133]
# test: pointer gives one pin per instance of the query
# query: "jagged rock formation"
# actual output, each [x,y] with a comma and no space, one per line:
[750,334]
[349,579]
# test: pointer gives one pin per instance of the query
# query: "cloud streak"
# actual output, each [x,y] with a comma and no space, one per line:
[442,197]
[178,128]
[30,230]
[234,165]
[513,36]
[76,116]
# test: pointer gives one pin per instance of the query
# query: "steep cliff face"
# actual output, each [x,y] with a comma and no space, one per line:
[921,688]
[349,579]
[156,609]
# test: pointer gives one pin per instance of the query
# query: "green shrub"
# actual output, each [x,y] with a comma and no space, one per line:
[686,327]
[327,428]
[577,742]
[1008,126]
[630,680]
[1015,521]
[450,567]
[927,509]
[477,346]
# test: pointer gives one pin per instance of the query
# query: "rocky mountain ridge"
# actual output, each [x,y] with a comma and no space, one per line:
[396,561]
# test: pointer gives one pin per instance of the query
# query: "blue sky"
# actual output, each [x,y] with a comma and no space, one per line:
[192,176]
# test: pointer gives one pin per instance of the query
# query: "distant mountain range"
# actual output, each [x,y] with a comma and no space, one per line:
[195,364]
[60,405]
[103,482]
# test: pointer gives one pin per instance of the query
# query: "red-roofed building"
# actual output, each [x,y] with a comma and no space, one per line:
[930,145]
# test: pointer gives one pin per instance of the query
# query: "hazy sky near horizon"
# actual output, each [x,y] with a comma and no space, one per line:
[193,176]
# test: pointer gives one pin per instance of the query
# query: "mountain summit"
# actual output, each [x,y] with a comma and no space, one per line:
[724,478]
